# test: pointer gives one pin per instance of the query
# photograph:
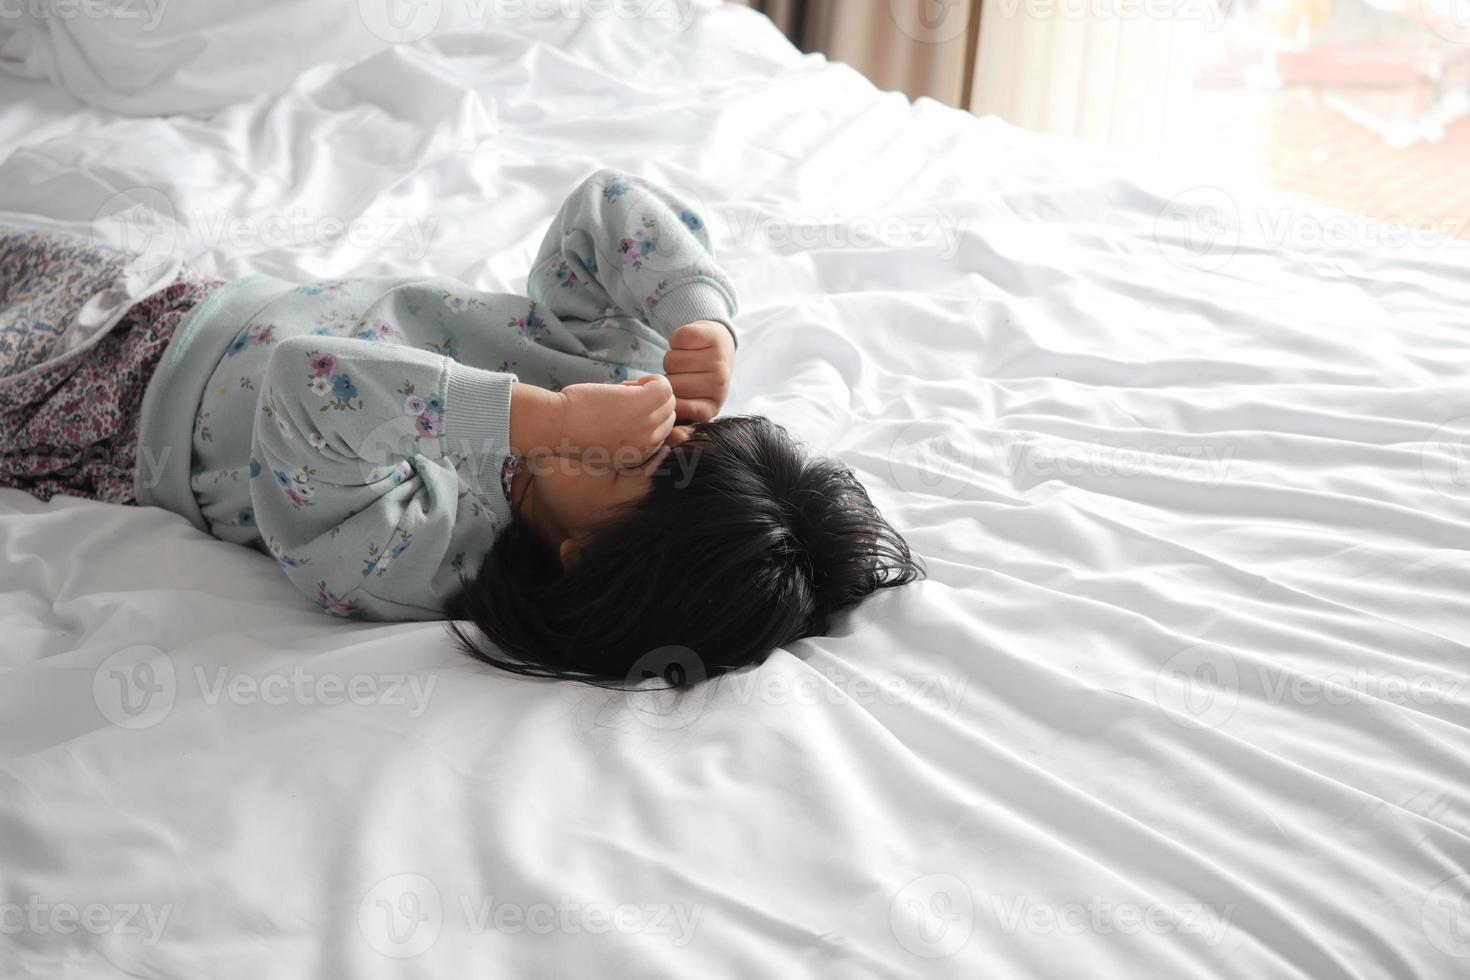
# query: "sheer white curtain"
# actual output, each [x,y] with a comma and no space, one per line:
[1110,71]
[1114,72]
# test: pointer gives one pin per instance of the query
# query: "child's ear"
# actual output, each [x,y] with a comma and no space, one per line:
[568,553]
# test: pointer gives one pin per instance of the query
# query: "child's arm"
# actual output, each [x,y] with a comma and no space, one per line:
[621,246]
[356,460]
[359,449]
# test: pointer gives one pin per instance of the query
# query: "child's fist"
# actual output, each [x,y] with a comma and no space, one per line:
[699,363]
[628,420]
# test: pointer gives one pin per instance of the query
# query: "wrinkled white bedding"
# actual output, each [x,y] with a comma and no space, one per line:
[1184,696]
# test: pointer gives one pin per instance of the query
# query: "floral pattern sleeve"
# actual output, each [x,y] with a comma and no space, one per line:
[622,246]
[360,455]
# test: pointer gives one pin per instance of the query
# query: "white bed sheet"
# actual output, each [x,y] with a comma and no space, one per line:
[1186,518]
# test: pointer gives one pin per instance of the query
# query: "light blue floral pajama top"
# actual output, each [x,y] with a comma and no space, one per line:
[356,430]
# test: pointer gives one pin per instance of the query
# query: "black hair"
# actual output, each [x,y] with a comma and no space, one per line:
[743,543]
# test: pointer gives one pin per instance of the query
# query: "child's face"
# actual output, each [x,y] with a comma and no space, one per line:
[566,502]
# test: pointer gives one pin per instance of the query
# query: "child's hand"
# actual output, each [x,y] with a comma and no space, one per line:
[699,362]
[628,420]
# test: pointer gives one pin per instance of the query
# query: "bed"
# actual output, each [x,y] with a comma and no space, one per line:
[1183,695]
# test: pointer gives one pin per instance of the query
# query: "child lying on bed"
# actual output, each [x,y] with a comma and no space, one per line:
[411,448]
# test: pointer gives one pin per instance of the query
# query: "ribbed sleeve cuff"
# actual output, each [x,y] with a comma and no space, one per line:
[477,423]
[697,299]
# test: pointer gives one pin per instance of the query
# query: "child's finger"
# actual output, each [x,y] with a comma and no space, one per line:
[695,335]
[661,432]
[700,384]
[685,361]
[695,409]
[656,388]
